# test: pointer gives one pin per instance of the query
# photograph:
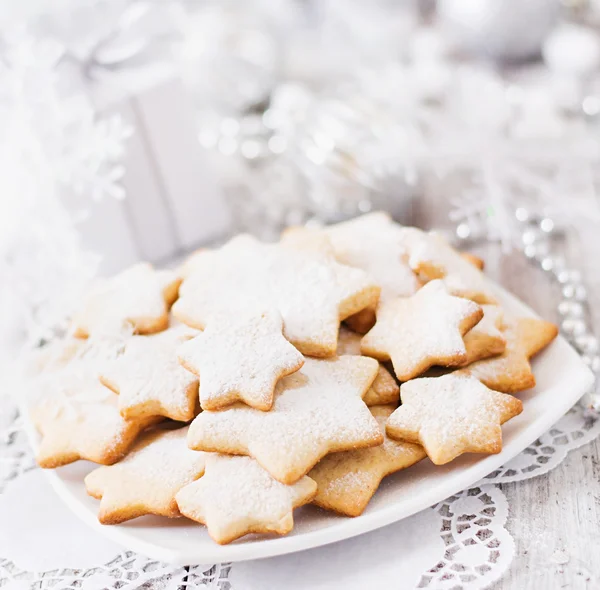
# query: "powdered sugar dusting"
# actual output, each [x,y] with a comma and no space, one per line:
[316,410]
[149,379]
[157,467]
[377,245]
[451,415]
[346,481]
[237,496]
[433,257]
[240,358]
[422,330]
[136,296]
[310,290]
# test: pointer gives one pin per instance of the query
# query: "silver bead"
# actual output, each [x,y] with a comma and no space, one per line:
[463,231]
[572,309]
[530,251]
[568,291]
[569,276]
[522,214]
[547,263]
[547,225]
[529,236]
[594,363]
[573,326]
[587,343]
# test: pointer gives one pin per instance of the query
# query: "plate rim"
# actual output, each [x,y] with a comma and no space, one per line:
[349,527]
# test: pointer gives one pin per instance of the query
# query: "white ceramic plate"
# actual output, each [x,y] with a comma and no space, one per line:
[562,379]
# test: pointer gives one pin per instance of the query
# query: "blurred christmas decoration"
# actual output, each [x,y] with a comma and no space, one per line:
[301,115]
[52,150]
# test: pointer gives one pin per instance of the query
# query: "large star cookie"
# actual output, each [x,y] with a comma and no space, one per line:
[375,244]
[347,481]
[240,359]
[485,339]
[317,410]
[137,298]
[81,420]
[236,496]
[511,371]
[433,258]
[147,479]
[384,389]
[308,288]
[452,415]
[421,331]
[149,379]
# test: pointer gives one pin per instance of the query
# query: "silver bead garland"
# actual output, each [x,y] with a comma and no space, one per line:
[540,247]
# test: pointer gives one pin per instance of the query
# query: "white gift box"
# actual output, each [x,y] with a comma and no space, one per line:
[173,202]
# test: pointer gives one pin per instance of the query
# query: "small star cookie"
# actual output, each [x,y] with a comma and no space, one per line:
[308,288]
[421,331]
[240,359]
[146,481]
[431,257]
[139,297]
[452,415]
[485,339]
[346,481]
[317,410]
[236,497]
[384,389]
[511,371]
[81,420]
[149,379]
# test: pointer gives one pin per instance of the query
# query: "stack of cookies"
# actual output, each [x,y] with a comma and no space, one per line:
[228,392]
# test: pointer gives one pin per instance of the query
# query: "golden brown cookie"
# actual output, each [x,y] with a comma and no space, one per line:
[307,287]
[240,359]
[511,371]
[474,260]
[317,410]
[384,389]
[485,339]
[138,298]
[236,497]
[452,415]
[149,379]
[375,244]
[81,420]
[421,331]
[146,481]
[346,481]
[431,257]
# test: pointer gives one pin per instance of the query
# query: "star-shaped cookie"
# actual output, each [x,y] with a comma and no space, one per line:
[421,331]
[384,389]
[485,339]
[149,379]
[139,298]
[236,496]
[433,258]
[346,481]
[375,244]
[308,288]
[147,479]
[240,359]
[81,420]
[511,371]
[452,415]
[317,410]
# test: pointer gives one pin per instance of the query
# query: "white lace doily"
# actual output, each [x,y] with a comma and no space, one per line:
[463,544]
